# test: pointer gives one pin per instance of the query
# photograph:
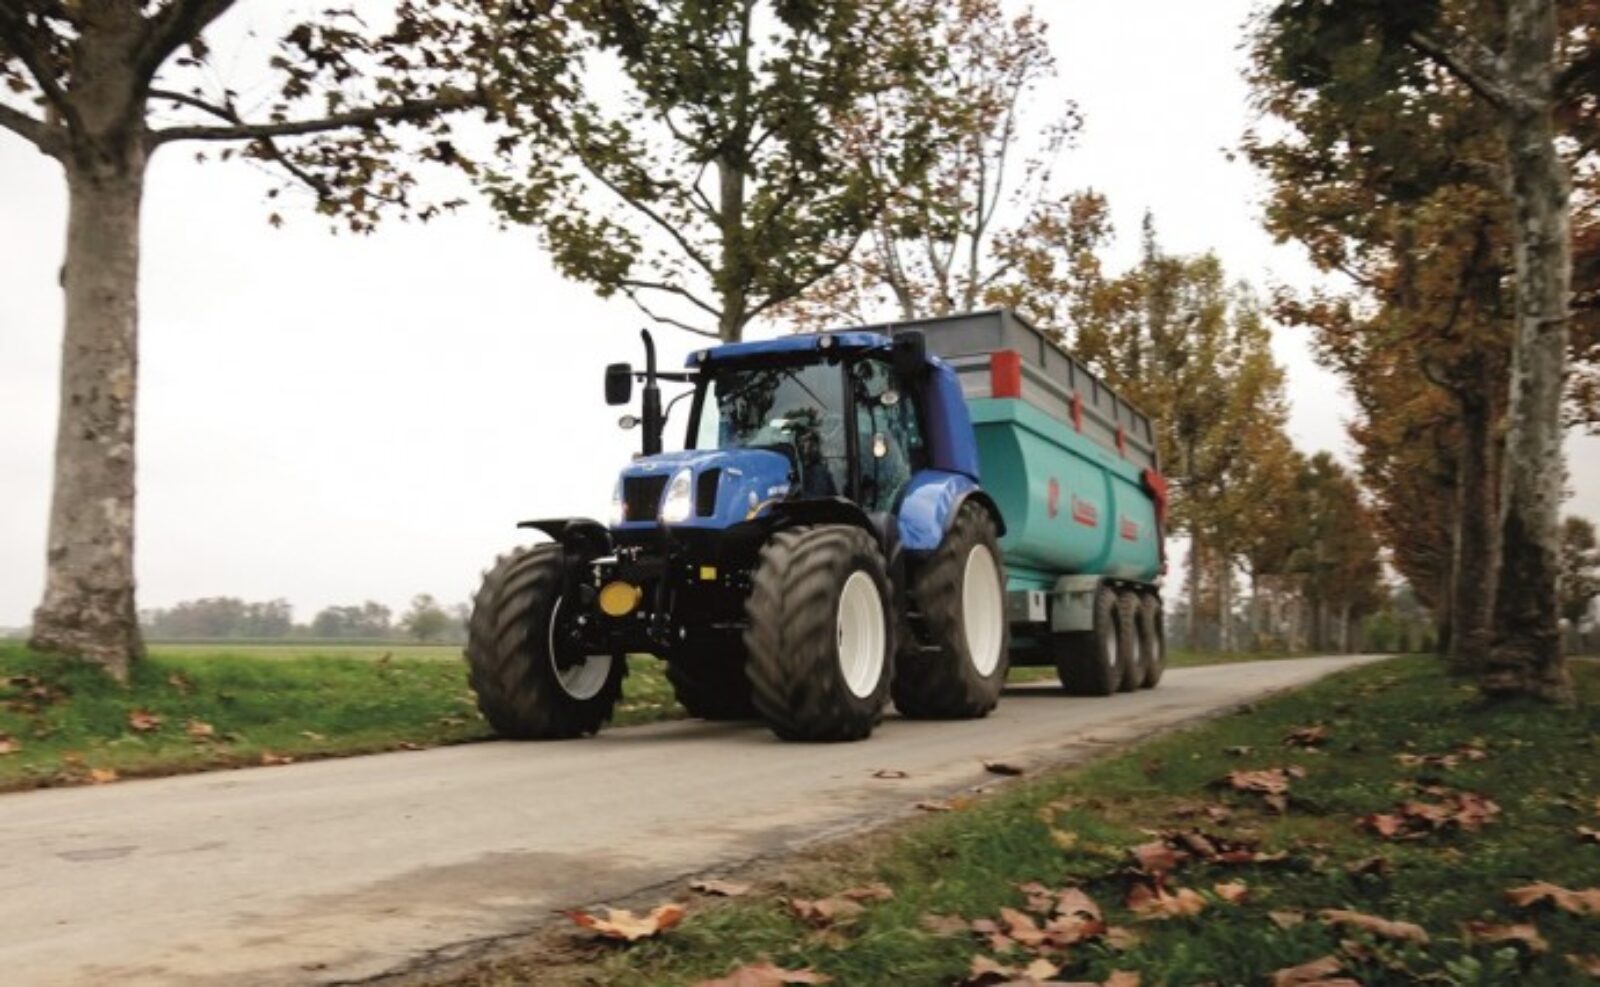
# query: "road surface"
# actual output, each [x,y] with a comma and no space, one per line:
[347,869]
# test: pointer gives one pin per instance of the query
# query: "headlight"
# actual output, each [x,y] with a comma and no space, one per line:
[619,507]
[678,503]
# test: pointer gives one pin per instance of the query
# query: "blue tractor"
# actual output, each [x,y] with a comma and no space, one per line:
[820,545]
[823,543]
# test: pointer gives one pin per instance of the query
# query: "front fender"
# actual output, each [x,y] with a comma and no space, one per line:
[930,505]
[580,536]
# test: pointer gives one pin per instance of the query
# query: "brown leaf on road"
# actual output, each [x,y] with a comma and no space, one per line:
[1585,902]
[1381,927]
[935,805]
[1312,736]
[890,774]
[1521,933]
[876,891]
[1002,768]
[1232,892]
[767,975]
[620,923]
[1319,972]
[143,721]
[1158,903]
[824,911]
[719,888]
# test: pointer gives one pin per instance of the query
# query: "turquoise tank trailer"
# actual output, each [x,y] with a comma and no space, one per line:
[900,513]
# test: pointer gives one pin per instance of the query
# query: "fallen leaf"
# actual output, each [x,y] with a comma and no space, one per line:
[1286,918]
[179,681]
[1021,927]
[1157,859]
[268,759]
[767,975]
[890,774]
[1158,903]
[1370,865]
[1585,902]
[1063,838]
[620,923]
[1001,768]
[143,721]
[1040,969]
[989,930]
[1122,978]
[1315,973]
[1073,901]
[876,891]
[1588,963]
[945,926]
[1382,927]
[1313,736]
[1585,834]
[199,729]
[824,911]
[1522,933]
[1232,892]
[8,745]
[312,735]
[719,888]
[935,805]
[1121,938]
[101,776]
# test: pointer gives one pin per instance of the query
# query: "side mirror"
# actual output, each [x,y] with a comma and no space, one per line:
[619,383]
[909,355]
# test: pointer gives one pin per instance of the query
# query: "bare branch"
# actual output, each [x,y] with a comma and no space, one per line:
[1470,62]
[665,320]
[672,229]
[406,110]
[14,37]
[220,112]
[671,289]
[48,139]
[177,24]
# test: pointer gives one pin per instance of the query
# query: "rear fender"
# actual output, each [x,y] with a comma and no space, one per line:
[930,506]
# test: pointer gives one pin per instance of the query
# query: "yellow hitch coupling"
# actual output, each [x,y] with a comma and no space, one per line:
[619,598]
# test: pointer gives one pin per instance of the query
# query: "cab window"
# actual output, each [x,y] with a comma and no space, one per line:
[889,445]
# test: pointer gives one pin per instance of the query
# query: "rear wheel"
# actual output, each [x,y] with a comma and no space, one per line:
[819,634]
[532,677]
[959,591]
[1153,632]
[710,683]
[1090,663]
[1136,659]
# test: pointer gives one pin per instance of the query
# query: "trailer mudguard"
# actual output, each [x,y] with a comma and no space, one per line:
[930,505]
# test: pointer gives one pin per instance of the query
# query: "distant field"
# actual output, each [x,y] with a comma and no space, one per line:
[299,649]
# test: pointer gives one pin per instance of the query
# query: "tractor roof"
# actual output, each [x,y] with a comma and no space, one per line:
[798,344]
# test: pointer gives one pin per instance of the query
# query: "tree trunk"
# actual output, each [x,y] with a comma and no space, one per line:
[732,279]
[1526,657]
[1472,579]
[88,607]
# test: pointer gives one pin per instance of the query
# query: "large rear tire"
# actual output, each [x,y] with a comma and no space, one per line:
[1153,632]
[710,683]
[521,663]
[1135,659]
[1090,663]
[959,591]
[820,634]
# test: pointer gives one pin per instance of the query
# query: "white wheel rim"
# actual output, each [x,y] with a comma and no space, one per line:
[862,636]
[982,610]
[582,680]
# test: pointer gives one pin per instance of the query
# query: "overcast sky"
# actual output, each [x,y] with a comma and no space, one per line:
[334,419]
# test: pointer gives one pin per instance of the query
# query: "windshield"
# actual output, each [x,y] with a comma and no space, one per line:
[797,410]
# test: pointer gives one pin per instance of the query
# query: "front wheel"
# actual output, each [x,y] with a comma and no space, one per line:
[533,678]
[820,635]
[959,590]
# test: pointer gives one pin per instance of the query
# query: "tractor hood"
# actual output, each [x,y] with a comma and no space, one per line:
[725,487]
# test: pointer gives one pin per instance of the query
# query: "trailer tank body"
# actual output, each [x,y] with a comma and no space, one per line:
[1070,463]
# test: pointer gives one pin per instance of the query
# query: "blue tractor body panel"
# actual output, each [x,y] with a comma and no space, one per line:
[749,482]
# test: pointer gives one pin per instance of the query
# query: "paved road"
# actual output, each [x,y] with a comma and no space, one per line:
[346,869]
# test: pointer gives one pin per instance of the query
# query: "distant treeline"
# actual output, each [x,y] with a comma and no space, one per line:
[226,618]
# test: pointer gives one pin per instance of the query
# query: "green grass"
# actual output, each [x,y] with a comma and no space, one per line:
[265,700]
[1543,769]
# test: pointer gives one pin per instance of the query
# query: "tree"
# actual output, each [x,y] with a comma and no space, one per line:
[984,224]
[1580,569]
[425,620]
[100,86]
[730,173]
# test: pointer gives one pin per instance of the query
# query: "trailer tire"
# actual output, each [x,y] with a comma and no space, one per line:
[1153,636]
[820,634]
[1135,659]
[511,641]
[959,591]
[1089,663]
[711,685]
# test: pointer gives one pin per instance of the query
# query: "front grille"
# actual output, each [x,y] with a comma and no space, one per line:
[705,493]
[641,497]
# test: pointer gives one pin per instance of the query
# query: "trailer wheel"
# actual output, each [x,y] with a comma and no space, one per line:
[820,634]
[530,683]
[1090,662]
[710,684]
[960,592]
[1136,658]
[1153,635]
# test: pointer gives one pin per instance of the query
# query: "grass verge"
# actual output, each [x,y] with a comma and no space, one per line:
[1388,742]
